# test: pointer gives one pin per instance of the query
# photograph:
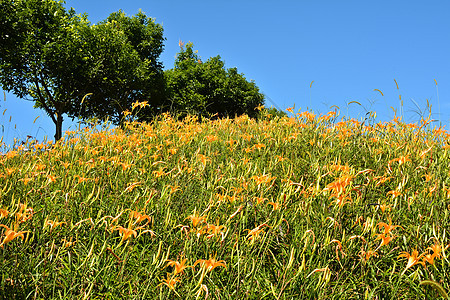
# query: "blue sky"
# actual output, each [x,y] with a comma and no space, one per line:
[348,48]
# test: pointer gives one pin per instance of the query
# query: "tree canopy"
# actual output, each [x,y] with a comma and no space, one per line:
[208,88]
[54,57]
[125,67]
[40,57]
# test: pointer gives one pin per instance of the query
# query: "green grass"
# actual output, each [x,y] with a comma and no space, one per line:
[279,208]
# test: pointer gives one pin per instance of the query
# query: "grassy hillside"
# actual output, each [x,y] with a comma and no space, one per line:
[307,207]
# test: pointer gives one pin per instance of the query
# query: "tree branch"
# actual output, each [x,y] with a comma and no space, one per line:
[41,97]
[48,92]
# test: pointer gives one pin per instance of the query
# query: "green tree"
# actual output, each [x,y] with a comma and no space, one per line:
[40,55]
[274,112]
[207,88]
[124,54]
[54,57]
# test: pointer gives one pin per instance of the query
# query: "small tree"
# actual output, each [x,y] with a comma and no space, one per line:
[207,88]
[55,58]
[40,56]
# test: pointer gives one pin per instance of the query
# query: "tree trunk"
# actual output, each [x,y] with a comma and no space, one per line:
[59,121]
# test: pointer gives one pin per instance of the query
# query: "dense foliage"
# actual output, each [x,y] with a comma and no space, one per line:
[279,208]
[207,88]
[55,58]
[124,58]
[40,55]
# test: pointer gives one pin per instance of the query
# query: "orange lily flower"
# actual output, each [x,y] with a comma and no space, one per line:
[11,154]
[341,200]
[11,235]
[126,233]
[125,166]
[259,146]
[259,199]
[140,104]
[263,179]
[81,179]
[211,138]
[67,243]
[170,282]
[173,188]
[275,205]
[159,173]
[9,171]
[3,213]
[429,258]
[178,266]
[401,160]
[25,180]
[139,217]
[252,234]
[384,240]
[366,255]
[339,185]
[259,107]
[210,264]
[394,193]
[437,249]
[24,213]
[280,158]
[51,178]
[387,228]
[383,207]
[214,230]
[203,158]
[413,259]
[195,219]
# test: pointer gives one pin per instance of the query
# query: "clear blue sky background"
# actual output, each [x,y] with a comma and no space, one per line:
[348,48]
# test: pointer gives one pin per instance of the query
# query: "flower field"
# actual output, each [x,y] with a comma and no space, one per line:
[302,207]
